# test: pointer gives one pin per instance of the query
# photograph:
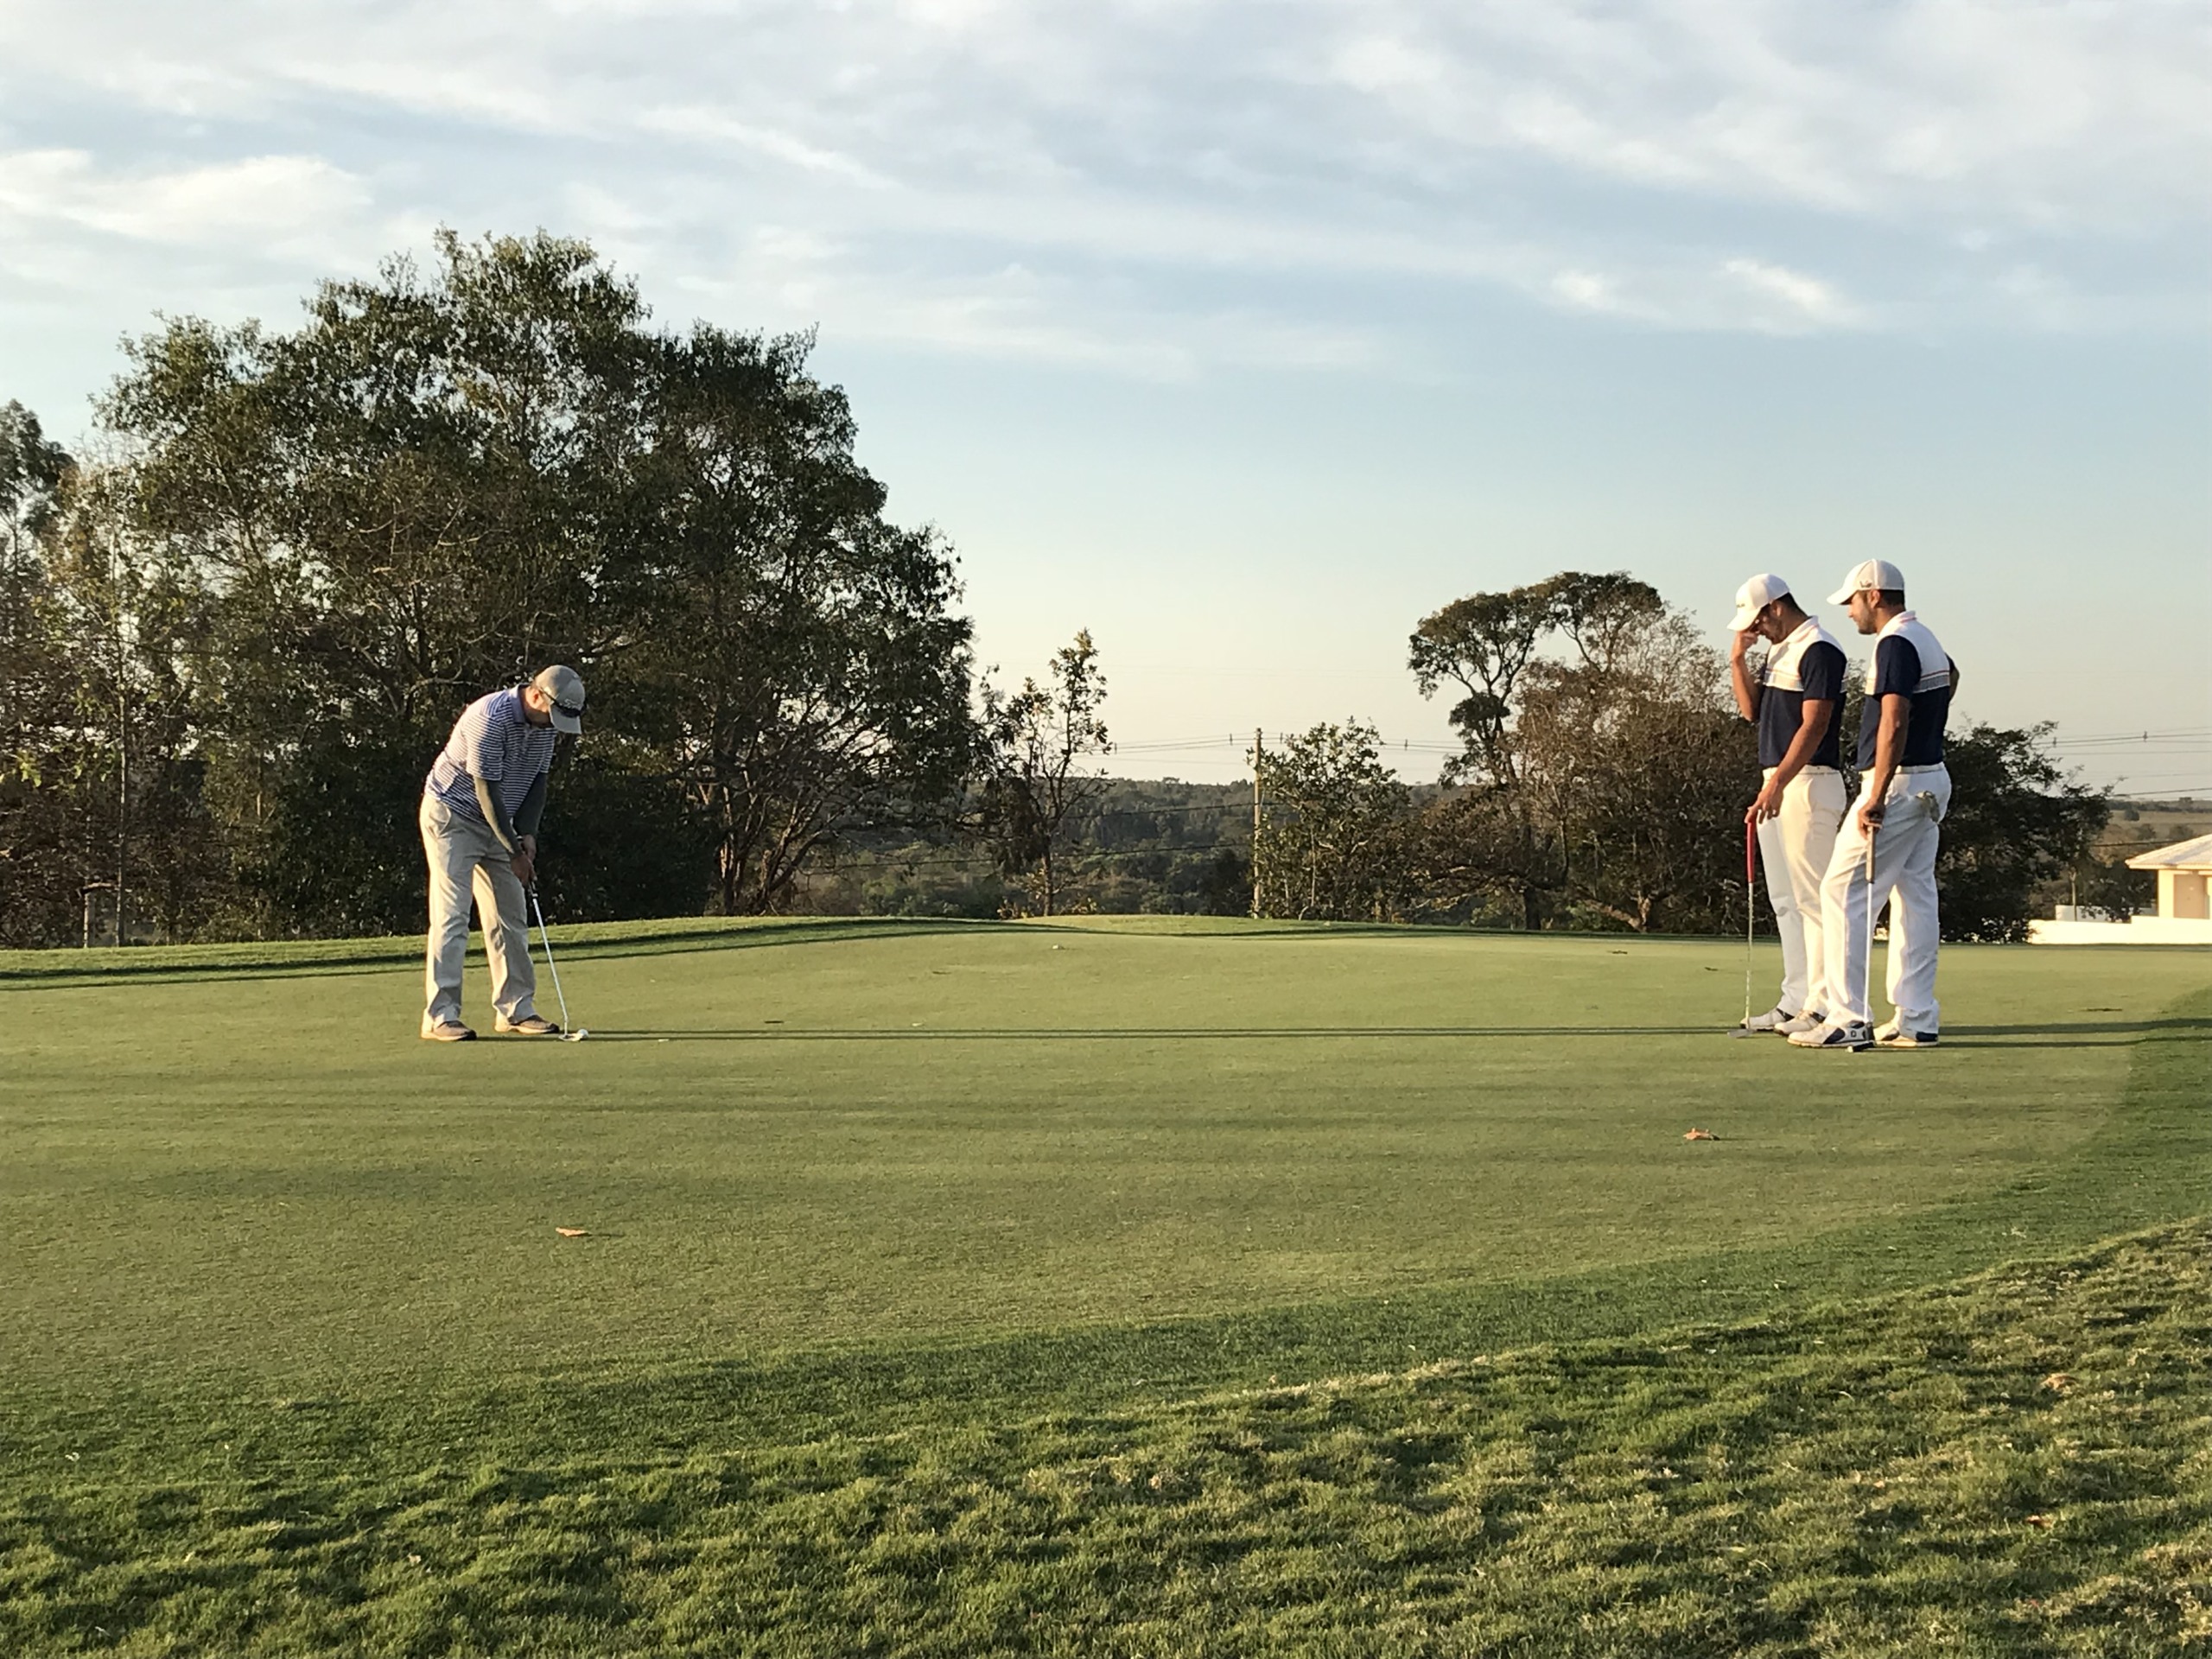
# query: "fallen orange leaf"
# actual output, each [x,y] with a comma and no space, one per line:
[570,1232]
[2046,1522]
[1701,1134]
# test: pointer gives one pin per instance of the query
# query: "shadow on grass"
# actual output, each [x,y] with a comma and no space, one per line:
[592,941]
[2084,1034]
[2124,1027]
[188,964]
[1130,1033]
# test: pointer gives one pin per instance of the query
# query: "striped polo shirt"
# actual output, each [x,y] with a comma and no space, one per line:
[493,740]
[1909,662]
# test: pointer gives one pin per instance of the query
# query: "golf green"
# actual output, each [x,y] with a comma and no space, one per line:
[241,1167]
[1098,1287]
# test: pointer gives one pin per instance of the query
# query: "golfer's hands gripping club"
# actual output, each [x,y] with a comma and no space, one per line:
[525,861]
[1869,817]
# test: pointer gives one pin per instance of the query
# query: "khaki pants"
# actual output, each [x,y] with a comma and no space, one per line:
[1795,848]
[466,856]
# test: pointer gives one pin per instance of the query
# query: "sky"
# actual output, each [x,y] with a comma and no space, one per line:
[1245,335]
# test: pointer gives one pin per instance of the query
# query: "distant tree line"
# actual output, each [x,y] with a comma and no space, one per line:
[1602,782]
[232,637]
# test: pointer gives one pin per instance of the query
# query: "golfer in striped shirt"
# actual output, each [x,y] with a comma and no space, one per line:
[480,808]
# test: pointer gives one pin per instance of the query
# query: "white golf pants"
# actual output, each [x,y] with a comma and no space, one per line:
[1795,848]
[465,857]
[1904,878]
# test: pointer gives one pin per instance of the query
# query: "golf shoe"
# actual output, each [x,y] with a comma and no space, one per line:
[1851,1034]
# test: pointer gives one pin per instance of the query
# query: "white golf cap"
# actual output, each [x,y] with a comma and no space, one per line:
[1878,574]
[564,689]
[1755,596]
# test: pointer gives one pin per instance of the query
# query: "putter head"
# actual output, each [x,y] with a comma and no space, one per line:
[576,1036]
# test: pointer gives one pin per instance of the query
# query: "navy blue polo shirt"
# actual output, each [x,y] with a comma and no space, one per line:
[1908,663]
[1808,663]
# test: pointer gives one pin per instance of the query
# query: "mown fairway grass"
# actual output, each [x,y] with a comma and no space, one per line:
[969,1288]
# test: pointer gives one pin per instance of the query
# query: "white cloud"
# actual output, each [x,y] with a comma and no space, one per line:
[1382,63]
[1794,302]
[290,197]
[1136,157]
[785,278]
[1587,290]
[711,126]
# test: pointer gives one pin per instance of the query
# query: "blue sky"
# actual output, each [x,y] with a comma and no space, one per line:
[1244,335]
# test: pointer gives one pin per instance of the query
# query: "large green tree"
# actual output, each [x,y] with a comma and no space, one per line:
[1334,842]
[443,478]
[1641,768]
[1502,836]
[42,855]
[793,654]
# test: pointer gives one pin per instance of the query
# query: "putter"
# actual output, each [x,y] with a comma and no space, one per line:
[1750,916]
[567,1033]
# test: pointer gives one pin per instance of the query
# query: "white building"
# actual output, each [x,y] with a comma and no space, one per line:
[2184,905]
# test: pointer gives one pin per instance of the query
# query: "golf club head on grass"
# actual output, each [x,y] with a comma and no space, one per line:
[576,1036]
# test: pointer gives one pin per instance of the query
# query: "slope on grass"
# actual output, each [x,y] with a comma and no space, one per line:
[2020,1463]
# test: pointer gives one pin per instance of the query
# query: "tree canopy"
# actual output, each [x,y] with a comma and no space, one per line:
[441,480]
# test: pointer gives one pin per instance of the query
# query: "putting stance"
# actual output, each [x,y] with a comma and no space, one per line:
[1887,849]
[480,808]
[1796,701]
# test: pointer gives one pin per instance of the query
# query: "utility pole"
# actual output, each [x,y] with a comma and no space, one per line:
[1259,741]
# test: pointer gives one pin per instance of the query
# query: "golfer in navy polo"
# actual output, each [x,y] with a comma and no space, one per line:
[1795,696]
[1886,852]
[480,808]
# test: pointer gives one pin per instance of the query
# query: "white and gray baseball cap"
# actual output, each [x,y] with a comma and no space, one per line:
[1879,575]
[564,689]
[1755,596]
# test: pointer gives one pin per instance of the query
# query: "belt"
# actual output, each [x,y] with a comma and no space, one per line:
[1802,771]
[1933,766]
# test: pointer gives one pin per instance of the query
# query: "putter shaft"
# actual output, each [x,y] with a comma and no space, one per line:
[550,966]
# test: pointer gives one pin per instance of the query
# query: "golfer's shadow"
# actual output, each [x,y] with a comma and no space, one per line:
[1120,1033]
[2084,1034]
[2069,1034]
